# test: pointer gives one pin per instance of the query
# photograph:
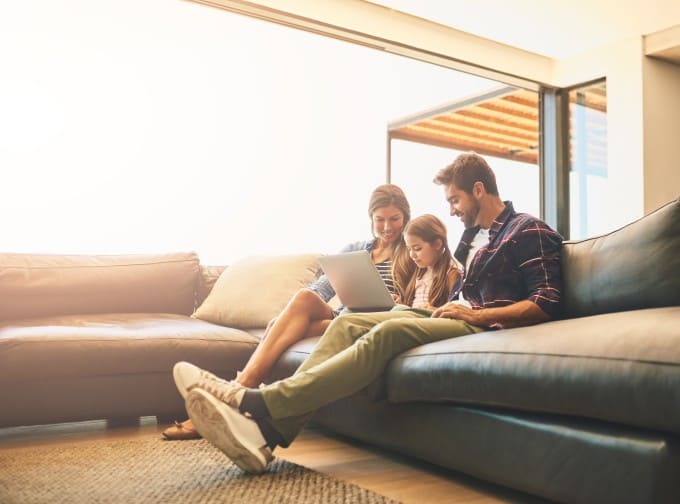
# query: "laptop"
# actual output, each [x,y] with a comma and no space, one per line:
[357,282]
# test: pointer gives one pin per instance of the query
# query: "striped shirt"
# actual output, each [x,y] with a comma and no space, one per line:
[385,270]
[520,262]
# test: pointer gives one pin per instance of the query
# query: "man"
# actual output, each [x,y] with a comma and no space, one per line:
[512,278]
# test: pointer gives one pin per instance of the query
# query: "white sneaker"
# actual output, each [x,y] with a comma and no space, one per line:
[187,377]
[238,436]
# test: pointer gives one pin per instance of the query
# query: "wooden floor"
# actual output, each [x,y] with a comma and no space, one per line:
[398,477]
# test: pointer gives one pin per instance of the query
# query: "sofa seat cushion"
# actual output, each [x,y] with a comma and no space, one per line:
[292,359]
[122,343]
[620,367]
[69,368]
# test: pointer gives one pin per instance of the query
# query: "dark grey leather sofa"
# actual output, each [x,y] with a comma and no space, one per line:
[584,409]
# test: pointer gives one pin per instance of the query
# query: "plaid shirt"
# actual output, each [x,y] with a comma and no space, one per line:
[520,262]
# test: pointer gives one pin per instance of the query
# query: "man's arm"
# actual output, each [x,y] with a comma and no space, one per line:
[536,254]
[522,313]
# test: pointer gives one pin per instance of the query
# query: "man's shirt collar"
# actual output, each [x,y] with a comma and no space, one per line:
[501,219]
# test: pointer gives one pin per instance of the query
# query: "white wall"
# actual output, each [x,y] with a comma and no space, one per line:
[661,98]
[621,64]
[643,124]
[132,127]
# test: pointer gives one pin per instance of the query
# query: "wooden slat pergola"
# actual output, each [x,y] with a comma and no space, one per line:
[503,123]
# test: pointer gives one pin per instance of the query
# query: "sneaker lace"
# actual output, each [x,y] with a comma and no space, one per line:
[224,390]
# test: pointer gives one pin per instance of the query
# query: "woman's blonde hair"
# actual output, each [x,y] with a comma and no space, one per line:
[382,196]
[429,229]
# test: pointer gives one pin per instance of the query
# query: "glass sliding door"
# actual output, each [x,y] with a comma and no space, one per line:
[588,173]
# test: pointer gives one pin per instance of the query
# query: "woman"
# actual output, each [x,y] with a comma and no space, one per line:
[308,313]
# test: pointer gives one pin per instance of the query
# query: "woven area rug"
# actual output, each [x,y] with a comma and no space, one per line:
[149,470]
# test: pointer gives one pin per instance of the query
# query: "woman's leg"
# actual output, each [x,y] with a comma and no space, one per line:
[305,315]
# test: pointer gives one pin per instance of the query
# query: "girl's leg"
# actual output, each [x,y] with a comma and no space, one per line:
[305,315]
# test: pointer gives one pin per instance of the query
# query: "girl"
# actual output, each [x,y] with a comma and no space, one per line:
[435,271]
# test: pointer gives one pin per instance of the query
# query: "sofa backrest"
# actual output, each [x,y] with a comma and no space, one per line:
[37,285]
[636,266]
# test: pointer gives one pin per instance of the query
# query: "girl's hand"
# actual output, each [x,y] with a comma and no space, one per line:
[395,297]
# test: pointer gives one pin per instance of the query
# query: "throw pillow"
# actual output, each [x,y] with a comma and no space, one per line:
[253,290]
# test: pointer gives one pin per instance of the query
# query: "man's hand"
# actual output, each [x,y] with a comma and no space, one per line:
[458,312]
[521,313]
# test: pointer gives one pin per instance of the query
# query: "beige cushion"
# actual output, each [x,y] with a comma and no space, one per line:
[254,290]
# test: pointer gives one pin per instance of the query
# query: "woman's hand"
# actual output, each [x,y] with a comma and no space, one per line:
[396,297]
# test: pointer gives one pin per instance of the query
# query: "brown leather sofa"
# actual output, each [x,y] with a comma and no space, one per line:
[92,337]
[584,409]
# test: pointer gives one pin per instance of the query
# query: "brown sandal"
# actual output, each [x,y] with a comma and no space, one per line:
[181,431]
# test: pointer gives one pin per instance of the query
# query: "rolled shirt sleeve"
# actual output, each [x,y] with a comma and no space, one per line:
[538,255]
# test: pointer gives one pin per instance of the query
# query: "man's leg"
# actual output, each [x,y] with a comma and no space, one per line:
[340,335]
[343,332]
[327,376]
[213,408]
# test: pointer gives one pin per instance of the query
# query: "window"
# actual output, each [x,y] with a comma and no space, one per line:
[501,124]
[588,178]
[208,131]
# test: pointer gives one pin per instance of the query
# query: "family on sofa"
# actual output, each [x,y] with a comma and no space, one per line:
[581,407]
[511,278]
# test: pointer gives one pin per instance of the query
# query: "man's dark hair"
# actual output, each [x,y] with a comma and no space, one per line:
[467,169]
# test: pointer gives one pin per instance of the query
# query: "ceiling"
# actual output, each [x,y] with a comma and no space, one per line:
[555,28]
[501,123]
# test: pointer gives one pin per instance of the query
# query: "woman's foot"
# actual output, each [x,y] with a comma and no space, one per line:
[181,431]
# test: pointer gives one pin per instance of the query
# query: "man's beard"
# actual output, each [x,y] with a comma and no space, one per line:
[470,216]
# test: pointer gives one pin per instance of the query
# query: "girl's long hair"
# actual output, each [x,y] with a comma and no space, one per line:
[382,196]
[429,229]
